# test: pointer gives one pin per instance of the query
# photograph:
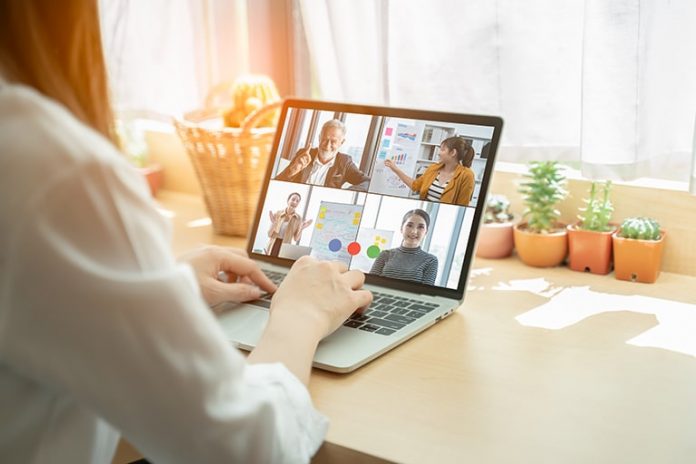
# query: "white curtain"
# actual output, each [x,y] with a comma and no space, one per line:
[607,85]
[164,56]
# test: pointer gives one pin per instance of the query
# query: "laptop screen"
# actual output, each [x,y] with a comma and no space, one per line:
[397,194]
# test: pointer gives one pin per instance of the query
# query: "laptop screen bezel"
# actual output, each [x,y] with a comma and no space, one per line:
[426,115]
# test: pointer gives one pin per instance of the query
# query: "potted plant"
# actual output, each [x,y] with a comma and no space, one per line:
[589,240]
[131,139]
[638,246]
[541,240]
[495,236]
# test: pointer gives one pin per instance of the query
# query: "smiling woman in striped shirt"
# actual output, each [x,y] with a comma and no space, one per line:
[451,180]
[409,261]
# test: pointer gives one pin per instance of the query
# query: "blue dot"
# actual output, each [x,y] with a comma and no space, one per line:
[335,245]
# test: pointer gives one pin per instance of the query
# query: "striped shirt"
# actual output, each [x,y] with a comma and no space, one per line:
[435,190]
[404,263]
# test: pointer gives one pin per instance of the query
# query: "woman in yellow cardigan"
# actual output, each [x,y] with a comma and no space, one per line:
[451,180]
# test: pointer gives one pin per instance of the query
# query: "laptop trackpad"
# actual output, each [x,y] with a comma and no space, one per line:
[244,324]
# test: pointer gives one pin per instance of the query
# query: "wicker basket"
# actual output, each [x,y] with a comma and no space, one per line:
[230,164]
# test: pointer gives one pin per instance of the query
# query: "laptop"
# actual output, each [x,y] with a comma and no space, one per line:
[358,210]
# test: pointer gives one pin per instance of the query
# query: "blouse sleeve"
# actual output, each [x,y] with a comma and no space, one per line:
[99,309]
[417,184]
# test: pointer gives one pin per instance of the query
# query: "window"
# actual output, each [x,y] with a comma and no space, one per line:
[608,87]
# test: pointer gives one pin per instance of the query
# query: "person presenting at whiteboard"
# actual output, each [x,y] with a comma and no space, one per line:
[451,180]
[409,261]
[286,225]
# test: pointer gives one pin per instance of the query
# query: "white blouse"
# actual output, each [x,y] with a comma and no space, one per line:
[102,332]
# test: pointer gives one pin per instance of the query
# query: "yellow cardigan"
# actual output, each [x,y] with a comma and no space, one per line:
[459,189]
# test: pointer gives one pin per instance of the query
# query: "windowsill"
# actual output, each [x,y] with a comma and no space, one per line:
[574,174]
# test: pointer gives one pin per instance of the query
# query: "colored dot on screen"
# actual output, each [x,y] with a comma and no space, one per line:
[353,248]
[373,251]
[335,245]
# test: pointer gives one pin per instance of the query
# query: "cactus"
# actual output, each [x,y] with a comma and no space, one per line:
[497,210]
[640,228]
[544,188]
[596,213]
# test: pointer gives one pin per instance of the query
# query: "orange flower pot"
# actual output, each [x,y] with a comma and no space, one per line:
[541,250]
[589,250]
[153,174]
[638,260]
[495,240]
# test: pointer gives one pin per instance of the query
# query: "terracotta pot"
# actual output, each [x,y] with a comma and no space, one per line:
[589,250]
[153,175]
[495,240]
[541,250]
[638,260]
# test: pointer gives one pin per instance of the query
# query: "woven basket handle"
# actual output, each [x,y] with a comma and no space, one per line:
[253,119]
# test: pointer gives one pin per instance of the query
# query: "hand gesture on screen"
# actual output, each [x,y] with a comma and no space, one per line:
[301,161]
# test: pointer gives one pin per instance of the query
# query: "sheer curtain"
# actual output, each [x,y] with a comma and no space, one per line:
[164,56]
[607,86]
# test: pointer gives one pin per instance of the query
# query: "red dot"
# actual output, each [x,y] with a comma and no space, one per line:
[353,248]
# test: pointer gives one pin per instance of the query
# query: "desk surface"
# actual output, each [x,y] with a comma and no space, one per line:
[481,387]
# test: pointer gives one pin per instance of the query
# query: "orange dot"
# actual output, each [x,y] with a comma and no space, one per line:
[353,248]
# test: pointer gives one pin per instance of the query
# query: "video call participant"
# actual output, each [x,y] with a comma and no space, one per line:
[409,261]
[324,165]
[451,180]
[286,225]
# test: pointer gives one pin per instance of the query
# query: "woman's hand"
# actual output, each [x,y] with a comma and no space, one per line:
[389,163]
[307,223]
[321,295]
[246,280]
[313,301]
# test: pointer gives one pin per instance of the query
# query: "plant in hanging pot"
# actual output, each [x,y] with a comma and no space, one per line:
[638,246]
[495,235]
[541,240]
[589,240]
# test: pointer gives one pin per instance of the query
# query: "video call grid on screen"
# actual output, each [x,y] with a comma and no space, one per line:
[357,222]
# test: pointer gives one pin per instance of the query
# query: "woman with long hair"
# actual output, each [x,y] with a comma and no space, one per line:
[286,225]
[409,261]
[102,331]
[451,180]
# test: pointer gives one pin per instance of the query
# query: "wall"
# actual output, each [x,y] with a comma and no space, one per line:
[166,149]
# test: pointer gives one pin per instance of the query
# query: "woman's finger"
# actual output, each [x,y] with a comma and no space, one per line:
[245,267]
[236,292]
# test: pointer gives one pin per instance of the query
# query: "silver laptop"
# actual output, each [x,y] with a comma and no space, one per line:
[352,206]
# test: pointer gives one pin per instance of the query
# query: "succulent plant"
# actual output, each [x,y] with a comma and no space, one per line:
[497,210]
[543,189]
[597,211]
[640,228]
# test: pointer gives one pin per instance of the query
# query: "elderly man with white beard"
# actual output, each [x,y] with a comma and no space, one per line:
[324,165]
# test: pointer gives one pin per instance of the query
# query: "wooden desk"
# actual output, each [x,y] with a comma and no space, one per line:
[480,387]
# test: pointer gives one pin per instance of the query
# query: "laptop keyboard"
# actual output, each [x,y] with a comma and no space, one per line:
[387,313]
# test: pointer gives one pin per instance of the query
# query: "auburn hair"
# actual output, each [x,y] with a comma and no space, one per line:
[56,48]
